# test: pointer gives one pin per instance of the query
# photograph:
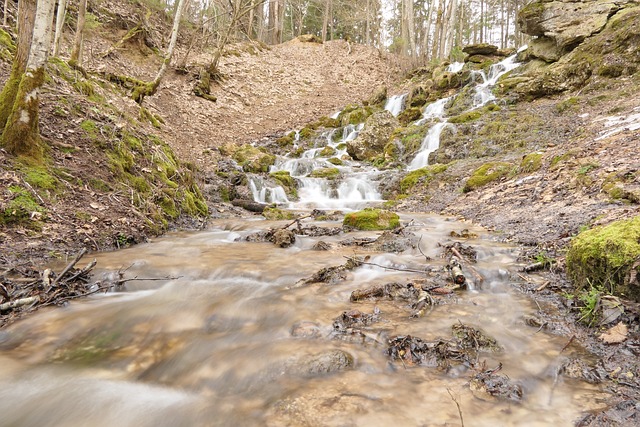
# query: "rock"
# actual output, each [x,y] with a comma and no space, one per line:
[372,219]
[321,246]
[322,363]
[373,138]
[567,23]
[480,49]
[378,97]
[305,329]
[253,159]
[607,257]
[284,238]
[545,48]
[490,386]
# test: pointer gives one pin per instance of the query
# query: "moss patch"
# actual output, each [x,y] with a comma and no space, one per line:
[276,214]
[253,159]
[371,219]
[485,174]
[530,163]
[21,206]
[603,257]
[422,175]
[469,116]
[326,173]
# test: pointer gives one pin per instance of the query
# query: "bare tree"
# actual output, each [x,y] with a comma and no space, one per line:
[62,10]
[76,53]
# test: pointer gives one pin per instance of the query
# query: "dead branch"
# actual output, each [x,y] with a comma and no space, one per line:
[467,265]
[408,270]
[69,267]
[19,303]
[457,405]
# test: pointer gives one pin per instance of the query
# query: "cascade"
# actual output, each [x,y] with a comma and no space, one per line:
[395,104]
[454,67]
[350,190]
[483,90]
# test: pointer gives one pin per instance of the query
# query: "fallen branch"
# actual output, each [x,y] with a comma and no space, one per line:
[467,265]
[457,405]
[69,266]
[408,270]
[19,303]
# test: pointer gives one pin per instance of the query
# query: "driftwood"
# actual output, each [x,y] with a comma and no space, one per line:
[457,276]
[250,205]
[473,271]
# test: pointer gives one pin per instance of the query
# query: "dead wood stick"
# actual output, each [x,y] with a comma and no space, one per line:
[473,271]
[457,405]
[296,220]
[544,285]
[427,258]
[69,266]
[408,270]
[18,303]
[85,270]
[568,343]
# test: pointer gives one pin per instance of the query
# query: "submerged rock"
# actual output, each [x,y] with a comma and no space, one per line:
[490,385]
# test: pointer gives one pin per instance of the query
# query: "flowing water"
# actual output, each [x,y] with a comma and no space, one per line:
[212,344]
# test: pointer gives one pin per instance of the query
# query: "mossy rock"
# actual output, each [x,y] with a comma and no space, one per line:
[423,175]
[607,257]
[372,219]
[568,104]
[409,115]
[253,159]
[469,116]
[275,214]
[354,114]
[286,181]
[326,173]
[327,122]
[487,173]
[287,140]
[530,163]
[335,161]
[327,152]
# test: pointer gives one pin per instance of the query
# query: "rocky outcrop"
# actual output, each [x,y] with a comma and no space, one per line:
[375,135]
[566,23]
[579,40]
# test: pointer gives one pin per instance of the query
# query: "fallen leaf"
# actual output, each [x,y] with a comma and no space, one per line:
[615,335]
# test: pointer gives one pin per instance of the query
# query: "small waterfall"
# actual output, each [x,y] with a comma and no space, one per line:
[265,194]
[430,144]
[483,90]
[433,110]
[454,67]
[395,104]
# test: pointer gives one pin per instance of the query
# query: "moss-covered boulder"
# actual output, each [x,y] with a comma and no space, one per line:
[372,139]
[423,175]
[326,173]
[530,163]
[286,181]
[480,49]
[608,258]
[276,214]
[409,115]
[253,159]
[354,114]
[371,219]
[487,173]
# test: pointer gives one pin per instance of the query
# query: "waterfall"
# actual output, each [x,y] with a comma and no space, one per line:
[430,144]
[395,104]
[454,67]
[265,194]
[483,90]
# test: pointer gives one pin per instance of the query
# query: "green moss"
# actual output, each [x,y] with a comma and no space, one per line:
[372,219]
[98,184]
[168,206]
[275,214]
[409,115]
[327,152]
[285,141]
[146,115]
[327,173]
[469,116]
[90,349]
[306,132]
[90,129]
[335,161]
[283,178]
[328,122]
[423,175]
[20,207]
[39,177]
[604,256]
[567,104]
[530,163]
[485,174]
[253,159]
[84,87]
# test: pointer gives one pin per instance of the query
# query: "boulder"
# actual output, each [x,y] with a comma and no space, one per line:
[480,49]
[373,138]
[253,159]
[284,238]
[371,219]
[545,48]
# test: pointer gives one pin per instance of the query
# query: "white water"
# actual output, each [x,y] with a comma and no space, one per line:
[483,90]
[395,104]
[454,67]
[352,190]
[430,144]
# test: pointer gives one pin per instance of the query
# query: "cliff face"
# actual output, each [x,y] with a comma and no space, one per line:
[576,43]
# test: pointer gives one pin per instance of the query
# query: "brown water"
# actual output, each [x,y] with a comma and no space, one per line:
[214,347]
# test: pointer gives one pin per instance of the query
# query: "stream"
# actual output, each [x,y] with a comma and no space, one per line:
[221,336]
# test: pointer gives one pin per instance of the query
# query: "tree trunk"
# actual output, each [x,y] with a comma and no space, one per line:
[62,10]
[26,16]
[427,30]
[436,36]
[325,19]
[21,134]
[76,54]
[411,28]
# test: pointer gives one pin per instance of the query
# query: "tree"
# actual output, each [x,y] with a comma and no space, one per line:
[21,134]
[62,9]
[76,53]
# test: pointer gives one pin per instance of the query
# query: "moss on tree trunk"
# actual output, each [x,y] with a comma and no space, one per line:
[21,134]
